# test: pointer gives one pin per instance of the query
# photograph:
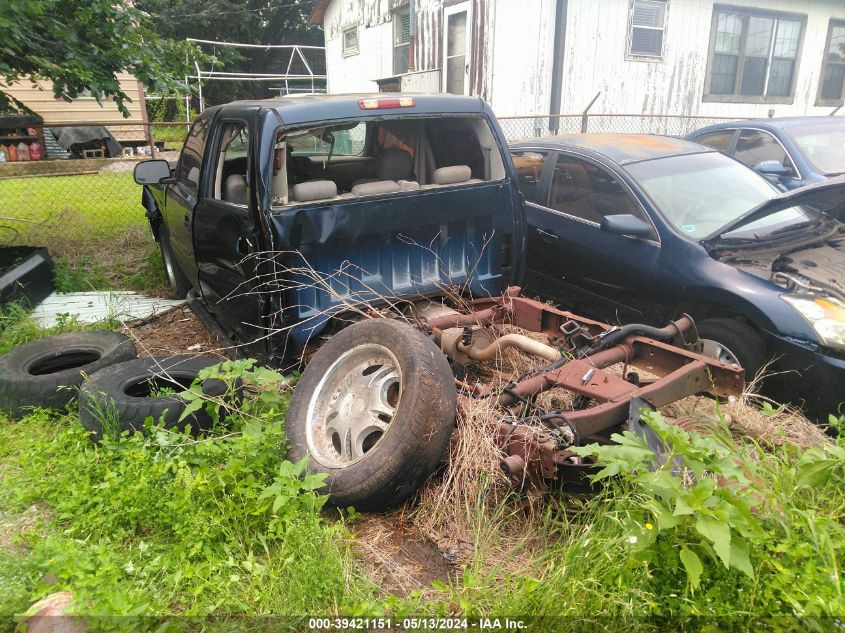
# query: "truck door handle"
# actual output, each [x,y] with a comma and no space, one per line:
[186,220]
[546,236]
[243,246]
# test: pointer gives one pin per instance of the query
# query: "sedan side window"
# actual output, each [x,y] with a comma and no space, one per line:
[529,170]
[720,140]
[754,146]
[584,190]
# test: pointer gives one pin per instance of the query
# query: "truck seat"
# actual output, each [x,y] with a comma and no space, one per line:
[452,175]
[391,164]
[314,190]
[234,189]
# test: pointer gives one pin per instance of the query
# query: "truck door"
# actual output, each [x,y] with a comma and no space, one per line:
[182,196]
[225,234]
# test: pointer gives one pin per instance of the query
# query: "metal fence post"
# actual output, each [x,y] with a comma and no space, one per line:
[585,116]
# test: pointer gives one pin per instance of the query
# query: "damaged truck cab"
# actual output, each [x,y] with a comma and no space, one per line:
[377,239]
[281,213]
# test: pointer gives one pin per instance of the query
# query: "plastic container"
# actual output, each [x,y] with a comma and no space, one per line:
[23,151]
[13,153]
[3,156]
[35,151]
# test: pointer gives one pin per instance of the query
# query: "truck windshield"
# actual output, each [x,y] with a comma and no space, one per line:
[822,145]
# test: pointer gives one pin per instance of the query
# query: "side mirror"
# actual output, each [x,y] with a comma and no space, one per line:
[151,172]
[626,224]
[772,169]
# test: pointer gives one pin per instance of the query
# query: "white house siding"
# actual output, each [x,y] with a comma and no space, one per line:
[513,49]
[595,60]
[519,61]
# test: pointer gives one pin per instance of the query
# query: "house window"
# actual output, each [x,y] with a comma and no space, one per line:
[401,37]
[350,41]
[754,55]
[832,84]
[648,23]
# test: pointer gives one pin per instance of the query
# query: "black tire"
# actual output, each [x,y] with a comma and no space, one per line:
[742,340]
[46,372]
[121,395]
[418,433]
[178,281]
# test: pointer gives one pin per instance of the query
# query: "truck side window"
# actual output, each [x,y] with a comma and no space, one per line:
[230,171]
[529,169]
[190,162]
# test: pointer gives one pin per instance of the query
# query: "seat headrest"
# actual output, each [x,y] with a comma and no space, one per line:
[451,175]
[234,189]
[314,190]
[394,164]
[375,188]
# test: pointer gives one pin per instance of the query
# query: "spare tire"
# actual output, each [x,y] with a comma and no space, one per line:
[45,372]
[125,395]
[374,410]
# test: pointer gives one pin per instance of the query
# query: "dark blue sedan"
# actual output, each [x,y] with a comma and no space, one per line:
[792,152]
[638,228]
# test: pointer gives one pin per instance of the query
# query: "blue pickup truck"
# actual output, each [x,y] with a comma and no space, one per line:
[293,224]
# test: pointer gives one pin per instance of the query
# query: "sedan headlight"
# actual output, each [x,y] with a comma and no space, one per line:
[826,315]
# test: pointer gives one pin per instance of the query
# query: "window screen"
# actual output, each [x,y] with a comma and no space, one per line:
[401,37]
[832,84]
[754,55]
[648,19]
[350,41]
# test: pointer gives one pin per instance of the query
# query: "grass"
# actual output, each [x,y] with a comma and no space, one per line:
[163,525]
[72,208]
[93,225]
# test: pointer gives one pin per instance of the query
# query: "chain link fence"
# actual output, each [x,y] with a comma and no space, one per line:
[520,128]
[82,205]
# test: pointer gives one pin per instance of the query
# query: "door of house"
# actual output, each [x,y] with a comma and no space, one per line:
[456,48]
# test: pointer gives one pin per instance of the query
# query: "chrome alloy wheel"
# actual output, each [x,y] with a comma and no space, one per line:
[714,349]
[353,405]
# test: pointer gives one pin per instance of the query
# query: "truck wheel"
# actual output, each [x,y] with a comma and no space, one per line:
[44,373]
[733,342]
[125,395]
[175,277]
[374,410]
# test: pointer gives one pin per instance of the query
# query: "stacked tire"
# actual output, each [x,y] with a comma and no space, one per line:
[113,385]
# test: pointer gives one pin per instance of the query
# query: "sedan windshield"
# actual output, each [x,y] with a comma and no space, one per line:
[823,145]
[702,193]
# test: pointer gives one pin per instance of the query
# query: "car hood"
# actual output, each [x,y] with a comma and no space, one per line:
[827,196]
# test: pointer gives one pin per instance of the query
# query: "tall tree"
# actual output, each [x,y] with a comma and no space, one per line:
[82,45]
[258,22]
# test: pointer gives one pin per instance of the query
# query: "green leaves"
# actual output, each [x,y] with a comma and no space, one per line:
[704,511]
[83,46]
[819,466]
[692,565]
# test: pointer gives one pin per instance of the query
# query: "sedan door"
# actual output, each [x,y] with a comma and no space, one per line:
[573,259]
